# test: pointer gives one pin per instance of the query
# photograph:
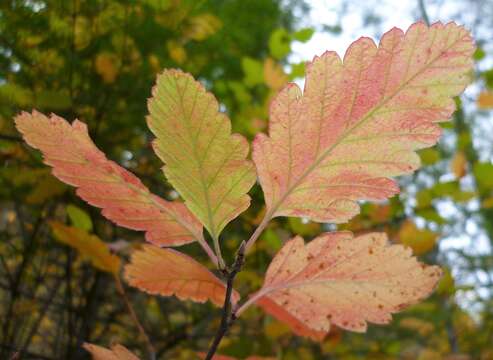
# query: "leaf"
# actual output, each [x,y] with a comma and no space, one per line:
[202,26]
[458,165]
[202,355]
[420,240]
[203,161]
[359,121]
[274,75]
[168,272]
[79,218]
[102,183]
[253,70]
[117,352]
[336,279]
[279,43]
[483,173]
[107,66]
[89,246]
[303,35]
[485,100]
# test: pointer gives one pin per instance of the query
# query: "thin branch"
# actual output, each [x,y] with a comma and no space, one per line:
[228,315]
[133,315]
[424,14]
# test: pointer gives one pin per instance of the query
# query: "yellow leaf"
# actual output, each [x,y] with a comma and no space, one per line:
[176,51]
[202,26]
[274,75]
[485,100]
[107,65]
[458,164]
[82,33]
[89,246]
[420,240]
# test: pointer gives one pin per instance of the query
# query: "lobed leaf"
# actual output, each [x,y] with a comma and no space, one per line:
[75,160]
[89,246]
[336,279]
[117,352]
[359,121]
[203,161]
[168,272]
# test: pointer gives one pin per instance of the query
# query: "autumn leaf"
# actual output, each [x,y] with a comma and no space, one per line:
[359,121]
[103,183]
[168,272]
[420,240]
[117,352]
[274,75]
[89,246]
[338,280]
[458,165]
[485,100]
[204,162]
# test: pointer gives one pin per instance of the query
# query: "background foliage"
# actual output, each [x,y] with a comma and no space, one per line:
[96,60]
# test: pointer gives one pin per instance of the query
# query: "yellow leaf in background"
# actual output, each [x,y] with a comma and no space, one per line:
[487,203]
[79,218]
[202,26]
[82,33]
[154,63]
[420,240]
[89,246]
[458,164]
[274,75]
[107,65]
[422,327]
[446,286]
[276,329]
[485,100]
[176,51]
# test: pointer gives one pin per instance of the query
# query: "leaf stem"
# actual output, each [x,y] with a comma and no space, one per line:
[210,252]
[258,231]
[217,248]
[120,288]
[228,314]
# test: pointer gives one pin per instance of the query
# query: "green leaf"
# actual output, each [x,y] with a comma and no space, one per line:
[483,173]
[79,218]
[204,162]
[254,71]
[429,156]
[279,43]
[303,35]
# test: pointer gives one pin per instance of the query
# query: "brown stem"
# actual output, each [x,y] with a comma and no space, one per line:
[133,315]
[228,315]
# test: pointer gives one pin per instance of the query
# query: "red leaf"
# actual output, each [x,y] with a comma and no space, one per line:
[103,183]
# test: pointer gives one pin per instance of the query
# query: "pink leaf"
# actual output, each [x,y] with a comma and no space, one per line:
[103,183]
[336,279]
[359,121]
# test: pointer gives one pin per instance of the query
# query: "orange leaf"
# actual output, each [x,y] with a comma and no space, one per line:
[336,279]
[117,352]
[485,100]
[420,240]
[359,121]
[90,246]
[458,165]
[103,183]
[168,272]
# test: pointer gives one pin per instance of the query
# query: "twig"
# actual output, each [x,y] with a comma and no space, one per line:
[228,315]
[424,14]
[133,315]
